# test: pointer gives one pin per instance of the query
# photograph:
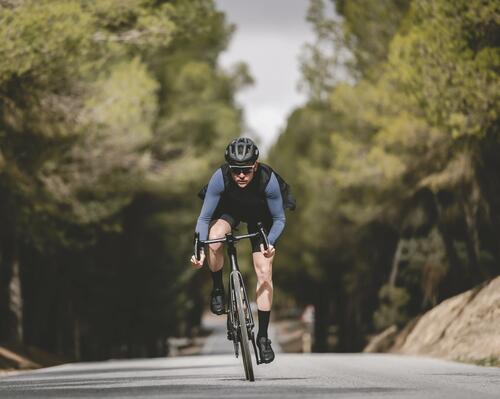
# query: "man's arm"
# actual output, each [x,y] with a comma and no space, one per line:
[275,204]
[212,197]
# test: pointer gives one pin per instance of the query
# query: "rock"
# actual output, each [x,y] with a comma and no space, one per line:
[382,342]
[401,337]
[465,327]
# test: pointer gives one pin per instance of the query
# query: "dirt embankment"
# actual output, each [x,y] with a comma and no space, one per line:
[21,357]
[465,327]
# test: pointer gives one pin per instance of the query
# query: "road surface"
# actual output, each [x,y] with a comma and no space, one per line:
[290,376]
[217,374]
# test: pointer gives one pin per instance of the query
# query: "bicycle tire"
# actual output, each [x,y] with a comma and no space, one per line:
[245,348]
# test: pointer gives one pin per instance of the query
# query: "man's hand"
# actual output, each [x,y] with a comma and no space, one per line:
[197,264]
[269,252]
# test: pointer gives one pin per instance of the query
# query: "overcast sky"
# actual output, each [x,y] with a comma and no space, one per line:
[269,36]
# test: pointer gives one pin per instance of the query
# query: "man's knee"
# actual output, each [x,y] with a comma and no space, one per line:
[264,273]
[215,233]
[219,229]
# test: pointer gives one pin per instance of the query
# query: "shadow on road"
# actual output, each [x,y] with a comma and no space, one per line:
[55,373]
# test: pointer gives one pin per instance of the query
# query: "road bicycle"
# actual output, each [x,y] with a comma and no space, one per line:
[240,322]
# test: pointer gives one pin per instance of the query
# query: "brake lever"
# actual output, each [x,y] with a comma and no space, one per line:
[263,235]
[197,248]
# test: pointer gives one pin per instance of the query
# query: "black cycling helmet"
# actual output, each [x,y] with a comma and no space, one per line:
[241,151]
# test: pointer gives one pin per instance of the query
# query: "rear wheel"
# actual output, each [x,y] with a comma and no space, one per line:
[242,329]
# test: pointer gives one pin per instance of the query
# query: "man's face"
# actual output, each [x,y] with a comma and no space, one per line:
[243,175]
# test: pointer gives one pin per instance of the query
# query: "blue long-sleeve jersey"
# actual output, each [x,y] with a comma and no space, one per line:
[215,191]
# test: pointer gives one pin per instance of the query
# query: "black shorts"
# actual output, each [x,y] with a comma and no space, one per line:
[251,226]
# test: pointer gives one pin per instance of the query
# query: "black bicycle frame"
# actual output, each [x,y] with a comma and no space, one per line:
[231,240]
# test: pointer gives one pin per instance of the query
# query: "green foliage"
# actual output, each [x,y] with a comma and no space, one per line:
[109,110]
[65,121]
[102,171]
[485,362]
[321,59]
[369,28]
[39,38]
[421,117]
[448,61]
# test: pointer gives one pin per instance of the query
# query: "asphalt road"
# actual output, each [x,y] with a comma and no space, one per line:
[216,373]
[217,343]
[290,376]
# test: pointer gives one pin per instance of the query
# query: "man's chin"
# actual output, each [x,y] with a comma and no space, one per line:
[242,184]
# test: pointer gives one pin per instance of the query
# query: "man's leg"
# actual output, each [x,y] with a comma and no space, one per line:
[264,270]
[218,228]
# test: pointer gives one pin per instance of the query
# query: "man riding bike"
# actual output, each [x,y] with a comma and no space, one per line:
[244,190]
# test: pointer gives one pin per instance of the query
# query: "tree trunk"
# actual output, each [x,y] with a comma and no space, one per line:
[11,304]
[321,319]
[470,209]
[453,283]
[395,263]
[77,352]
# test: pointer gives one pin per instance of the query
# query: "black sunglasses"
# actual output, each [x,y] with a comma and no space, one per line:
[241,169]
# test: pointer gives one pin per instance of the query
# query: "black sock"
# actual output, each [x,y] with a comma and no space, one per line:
[217,279]
[263,322]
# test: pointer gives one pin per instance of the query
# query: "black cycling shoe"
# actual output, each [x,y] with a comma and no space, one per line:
[217,301]
[265,350]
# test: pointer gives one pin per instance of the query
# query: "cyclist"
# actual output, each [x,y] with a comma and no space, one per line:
[243,190]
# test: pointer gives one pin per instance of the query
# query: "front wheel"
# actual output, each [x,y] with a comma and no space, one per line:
[242,328]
